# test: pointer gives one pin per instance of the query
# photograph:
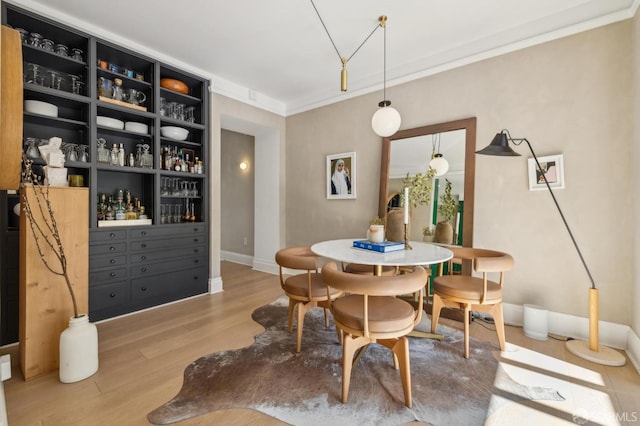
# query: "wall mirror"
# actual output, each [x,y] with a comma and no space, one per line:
[409,151]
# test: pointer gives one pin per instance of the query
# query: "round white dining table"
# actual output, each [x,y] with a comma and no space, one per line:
[420,254]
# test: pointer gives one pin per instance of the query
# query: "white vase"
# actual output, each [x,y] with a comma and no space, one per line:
[78,350]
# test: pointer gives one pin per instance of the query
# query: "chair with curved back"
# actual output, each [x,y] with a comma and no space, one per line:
[471,293]
[305,291]
[370,313]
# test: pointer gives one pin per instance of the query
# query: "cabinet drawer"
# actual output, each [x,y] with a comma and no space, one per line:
[108,296]
[107,262]
[113,248]
[160,232]
[98,237]
[142,269]
[154,256]
[178,284]
[167,243]
[108,275]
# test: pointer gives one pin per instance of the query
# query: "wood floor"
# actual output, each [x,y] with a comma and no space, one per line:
[143,356]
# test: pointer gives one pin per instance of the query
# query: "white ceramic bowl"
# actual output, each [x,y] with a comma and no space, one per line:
[135,127]
[177,133]
[42,108]
[109,122]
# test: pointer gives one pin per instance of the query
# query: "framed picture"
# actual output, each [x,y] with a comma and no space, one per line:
[552,169]
[341,176]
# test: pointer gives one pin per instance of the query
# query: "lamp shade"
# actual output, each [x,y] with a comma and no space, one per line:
[499,146]
[439,164]
[386,121]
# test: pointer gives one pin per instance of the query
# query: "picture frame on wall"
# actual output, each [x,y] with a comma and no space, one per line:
[341,176]
[553,170]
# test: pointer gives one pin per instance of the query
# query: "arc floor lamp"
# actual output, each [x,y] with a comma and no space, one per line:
[590,351]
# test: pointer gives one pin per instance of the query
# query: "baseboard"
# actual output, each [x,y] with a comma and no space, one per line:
[215,285]
[268,266]
[614,335]
[243,259]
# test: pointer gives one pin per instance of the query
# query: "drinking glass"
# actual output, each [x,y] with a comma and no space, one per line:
[77,54]
[47,45]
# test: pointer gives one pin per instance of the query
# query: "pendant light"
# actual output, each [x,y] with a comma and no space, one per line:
[438,162]
[386,120]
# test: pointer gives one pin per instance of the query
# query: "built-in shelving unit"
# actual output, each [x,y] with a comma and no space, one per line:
[164,258]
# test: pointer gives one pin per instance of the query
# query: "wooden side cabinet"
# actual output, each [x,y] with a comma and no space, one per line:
[45,304]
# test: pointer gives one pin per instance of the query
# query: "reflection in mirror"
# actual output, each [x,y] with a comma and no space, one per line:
[410,151]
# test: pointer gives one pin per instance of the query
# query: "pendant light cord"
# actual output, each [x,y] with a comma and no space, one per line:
[333,43]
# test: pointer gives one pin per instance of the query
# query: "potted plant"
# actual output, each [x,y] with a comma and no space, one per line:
[428,234]
[375,232]
[78,357]
[446,210]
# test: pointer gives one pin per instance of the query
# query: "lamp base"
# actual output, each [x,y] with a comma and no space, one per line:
[604,356]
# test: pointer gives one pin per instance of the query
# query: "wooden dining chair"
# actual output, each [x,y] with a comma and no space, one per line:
[305,291]
[470,293]
[370,313]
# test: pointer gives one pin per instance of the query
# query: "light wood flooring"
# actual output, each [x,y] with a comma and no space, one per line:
[143,356]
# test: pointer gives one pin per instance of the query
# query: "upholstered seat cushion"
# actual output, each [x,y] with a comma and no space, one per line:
[466,287]
[386,314]
[359,268]
[297,285]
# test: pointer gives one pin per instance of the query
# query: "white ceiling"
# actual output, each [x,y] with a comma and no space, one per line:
[276,54]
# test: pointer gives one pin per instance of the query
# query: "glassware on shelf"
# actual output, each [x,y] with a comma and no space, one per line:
[76,54]
[189,114]
[76,84]
[62,50]
[24,35]
[146,158]
[194,189]
[163,107]
[35,40]
[113,155]
[103,152]
[47,45]
[70,151]
[32,148]
[56,80]
[118,91]
[83,155]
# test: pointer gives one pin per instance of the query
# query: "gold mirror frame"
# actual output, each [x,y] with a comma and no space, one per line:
[469,125]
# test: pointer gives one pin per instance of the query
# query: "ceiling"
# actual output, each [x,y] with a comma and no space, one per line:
[277,55]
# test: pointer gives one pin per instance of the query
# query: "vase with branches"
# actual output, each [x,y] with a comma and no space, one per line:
[78,343]
[447,209]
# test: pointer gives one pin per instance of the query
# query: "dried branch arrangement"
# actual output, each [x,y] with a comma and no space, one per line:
[45,231]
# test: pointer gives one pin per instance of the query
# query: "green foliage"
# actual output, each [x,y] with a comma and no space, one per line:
[376,221]
[420,187]
[447,206]
[428,231]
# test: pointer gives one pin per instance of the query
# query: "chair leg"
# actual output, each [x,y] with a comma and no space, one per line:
[467,315]
[401,350]
[303,308]
[326,318]
[435,311]
[292,306]
[498,320]
[349,348]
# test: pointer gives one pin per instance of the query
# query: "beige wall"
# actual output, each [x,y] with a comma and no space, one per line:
[237,192]
[569,96]
[635,179]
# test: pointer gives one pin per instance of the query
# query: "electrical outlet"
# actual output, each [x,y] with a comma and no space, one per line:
[245,241]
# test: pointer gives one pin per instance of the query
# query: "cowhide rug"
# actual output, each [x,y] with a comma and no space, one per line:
[305,388]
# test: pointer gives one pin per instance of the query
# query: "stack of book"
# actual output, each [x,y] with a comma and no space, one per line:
[383,247]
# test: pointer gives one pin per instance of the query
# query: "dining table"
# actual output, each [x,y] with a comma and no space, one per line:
[416,253]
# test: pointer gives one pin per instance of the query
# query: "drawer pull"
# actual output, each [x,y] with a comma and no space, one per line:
[143,245]
[143,257]
[195,278]
[112,248]
[195,240]
[144,269]
[143,233]
[113,274]
[196,250]
[143,288]
[112,261]
[112,235]
[196,261]
[112,295]
[195,229]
